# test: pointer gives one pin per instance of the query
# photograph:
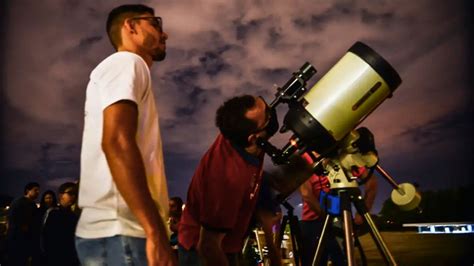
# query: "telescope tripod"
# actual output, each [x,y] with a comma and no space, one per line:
[295,232]
[348,196]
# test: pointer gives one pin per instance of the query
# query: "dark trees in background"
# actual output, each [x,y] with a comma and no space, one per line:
[449,205]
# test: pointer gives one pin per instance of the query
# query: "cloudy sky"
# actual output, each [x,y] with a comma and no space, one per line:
[218,49]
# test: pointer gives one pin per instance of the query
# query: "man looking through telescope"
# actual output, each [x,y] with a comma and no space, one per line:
[224,189]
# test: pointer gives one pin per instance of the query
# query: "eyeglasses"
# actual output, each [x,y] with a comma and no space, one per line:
[156,22]
[68,192]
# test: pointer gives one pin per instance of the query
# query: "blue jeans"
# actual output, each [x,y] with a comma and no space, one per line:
[188,257]
[115,250]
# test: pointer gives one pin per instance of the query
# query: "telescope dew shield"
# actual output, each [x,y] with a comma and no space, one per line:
[341,99]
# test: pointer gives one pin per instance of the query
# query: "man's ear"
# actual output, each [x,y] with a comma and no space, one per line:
[252,139]
[129,25]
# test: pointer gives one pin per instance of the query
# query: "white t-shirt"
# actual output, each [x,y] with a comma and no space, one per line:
[121,76]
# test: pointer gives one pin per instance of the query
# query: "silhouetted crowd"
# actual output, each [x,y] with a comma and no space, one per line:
[43,234]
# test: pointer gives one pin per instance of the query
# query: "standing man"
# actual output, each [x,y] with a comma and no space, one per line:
[312,222]
[23,228]
[123,192]
[224,189]
[58,229]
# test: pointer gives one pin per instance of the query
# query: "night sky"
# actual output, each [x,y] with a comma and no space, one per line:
[218,49]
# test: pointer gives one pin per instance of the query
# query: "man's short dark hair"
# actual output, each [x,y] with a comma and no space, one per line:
[178,201]
[118,15]
[231,120]
[30,186]
[69,187]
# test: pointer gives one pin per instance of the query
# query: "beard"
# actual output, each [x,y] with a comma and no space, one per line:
[159,55]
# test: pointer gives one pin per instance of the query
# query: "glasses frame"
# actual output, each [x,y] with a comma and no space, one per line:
[70,193]
[153,19]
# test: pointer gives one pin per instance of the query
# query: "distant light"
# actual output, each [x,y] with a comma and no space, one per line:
[443,228]
[300,205]
[7,207]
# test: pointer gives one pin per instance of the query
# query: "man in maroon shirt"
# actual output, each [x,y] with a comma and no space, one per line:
[224,189]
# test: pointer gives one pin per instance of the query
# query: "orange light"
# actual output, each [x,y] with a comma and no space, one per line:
[293,142]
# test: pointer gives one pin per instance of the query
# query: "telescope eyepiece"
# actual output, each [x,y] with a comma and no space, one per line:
[295,86]
[306,71]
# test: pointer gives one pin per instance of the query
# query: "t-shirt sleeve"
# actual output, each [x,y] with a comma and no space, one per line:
[221,199]
[123,77]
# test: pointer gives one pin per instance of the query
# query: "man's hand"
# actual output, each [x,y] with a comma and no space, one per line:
[358,220]
[267,219]
[210,247]
[158,252]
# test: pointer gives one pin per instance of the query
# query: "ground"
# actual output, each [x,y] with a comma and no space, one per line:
[411,248]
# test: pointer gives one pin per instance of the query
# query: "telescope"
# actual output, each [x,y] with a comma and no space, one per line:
[323,122]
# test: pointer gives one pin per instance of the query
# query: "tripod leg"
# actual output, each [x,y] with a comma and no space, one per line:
[295,239]
[259,244]
[361,251]
[322,240]
[284,222]
[347,226]
[374,232]
[389,259]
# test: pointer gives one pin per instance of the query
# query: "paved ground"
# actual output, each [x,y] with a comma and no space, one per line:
[410,248]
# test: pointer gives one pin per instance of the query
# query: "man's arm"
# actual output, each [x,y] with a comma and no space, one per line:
[210,247]
[310,198]
[128,171]
[370,191]
[267,219]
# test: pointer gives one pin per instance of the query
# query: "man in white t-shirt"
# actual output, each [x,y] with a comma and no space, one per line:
[123,192]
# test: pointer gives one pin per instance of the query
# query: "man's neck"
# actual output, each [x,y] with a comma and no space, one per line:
[253,150]
[147,58]
[29,197]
